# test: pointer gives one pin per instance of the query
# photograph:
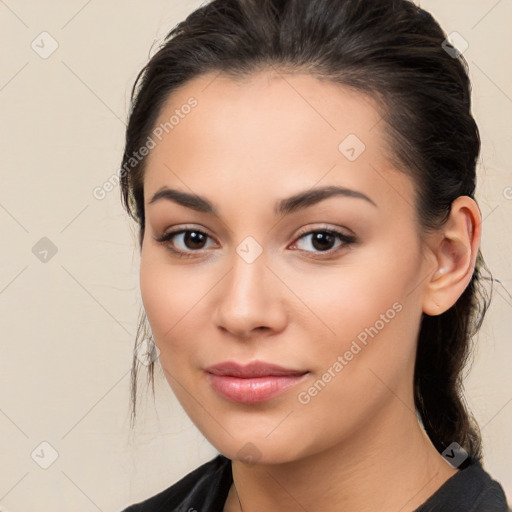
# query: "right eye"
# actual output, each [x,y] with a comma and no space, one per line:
[189,241]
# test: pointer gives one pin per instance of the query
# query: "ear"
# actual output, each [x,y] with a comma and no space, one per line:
[454,247]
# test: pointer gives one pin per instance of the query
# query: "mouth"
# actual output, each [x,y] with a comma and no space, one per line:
[253,383]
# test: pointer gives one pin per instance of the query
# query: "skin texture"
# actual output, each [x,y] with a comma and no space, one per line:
[246,145]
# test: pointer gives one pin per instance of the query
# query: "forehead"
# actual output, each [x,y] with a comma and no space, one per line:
[270,106]
[270,131]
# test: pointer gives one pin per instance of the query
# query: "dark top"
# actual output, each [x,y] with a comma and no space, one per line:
[206,488]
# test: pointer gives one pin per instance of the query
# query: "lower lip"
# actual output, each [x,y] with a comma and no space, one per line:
[255,390]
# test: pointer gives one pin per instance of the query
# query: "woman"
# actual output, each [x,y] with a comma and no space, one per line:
[303,177]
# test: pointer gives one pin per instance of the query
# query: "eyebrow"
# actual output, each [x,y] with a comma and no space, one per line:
[283,207]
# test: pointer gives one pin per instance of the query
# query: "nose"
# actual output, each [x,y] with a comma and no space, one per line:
[251,299]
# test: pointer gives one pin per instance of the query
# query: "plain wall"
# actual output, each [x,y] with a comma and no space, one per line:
[68,324]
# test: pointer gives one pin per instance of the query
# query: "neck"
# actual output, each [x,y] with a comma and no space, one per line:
[389,465]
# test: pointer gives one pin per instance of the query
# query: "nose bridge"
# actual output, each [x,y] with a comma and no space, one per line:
[247,299]
[246,282]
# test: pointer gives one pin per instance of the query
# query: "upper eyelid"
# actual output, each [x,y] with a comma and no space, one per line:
[324,227]
[180,230]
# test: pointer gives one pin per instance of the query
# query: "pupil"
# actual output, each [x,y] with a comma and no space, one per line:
[193,237]
[324,238]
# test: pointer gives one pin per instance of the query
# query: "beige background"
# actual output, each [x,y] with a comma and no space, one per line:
[68,325]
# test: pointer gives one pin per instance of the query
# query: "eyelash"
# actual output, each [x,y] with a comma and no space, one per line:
[346,240]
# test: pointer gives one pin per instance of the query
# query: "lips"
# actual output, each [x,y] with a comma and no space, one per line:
[254,369]
[252,383]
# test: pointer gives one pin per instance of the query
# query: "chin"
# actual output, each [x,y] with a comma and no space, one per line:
[253,450]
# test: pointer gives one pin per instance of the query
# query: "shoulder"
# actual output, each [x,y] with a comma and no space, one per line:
[470,490]
[204,488]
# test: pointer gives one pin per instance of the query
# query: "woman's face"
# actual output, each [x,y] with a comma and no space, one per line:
[264,278]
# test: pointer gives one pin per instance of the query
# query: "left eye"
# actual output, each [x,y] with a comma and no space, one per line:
[193,240]
[322,240]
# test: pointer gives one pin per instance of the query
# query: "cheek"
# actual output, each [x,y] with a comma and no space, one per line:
[155,295]
[174,300]
[361,369]
[364,312]
[344,301]
[164,306]
[165,296]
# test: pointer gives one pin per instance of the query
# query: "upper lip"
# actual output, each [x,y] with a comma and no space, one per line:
[253,369]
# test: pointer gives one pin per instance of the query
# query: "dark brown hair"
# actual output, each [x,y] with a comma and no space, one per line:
[389,49]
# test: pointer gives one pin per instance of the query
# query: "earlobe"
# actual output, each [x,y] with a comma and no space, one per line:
[454,247]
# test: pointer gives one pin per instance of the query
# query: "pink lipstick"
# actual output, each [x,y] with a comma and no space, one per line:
[252,383]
